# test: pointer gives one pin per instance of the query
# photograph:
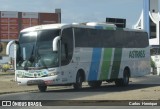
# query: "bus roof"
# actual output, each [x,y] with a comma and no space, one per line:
[41,27]
[95,25]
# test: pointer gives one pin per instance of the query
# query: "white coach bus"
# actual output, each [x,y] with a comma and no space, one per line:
[61,54]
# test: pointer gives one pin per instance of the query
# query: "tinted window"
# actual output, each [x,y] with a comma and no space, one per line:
[109,38]
[67,46]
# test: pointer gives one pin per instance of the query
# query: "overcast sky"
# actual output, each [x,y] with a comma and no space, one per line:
[80,10]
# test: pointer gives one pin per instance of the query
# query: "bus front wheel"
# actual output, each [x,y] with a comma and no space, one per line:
[42,88]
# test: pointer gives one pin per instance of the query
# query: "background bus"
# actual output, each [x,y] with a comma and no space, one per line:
[60,54]
[155,56]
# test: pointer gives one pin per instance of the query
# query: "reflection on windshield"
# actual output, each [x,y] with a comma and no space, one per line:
[46,56]
[155,51]
[35,50]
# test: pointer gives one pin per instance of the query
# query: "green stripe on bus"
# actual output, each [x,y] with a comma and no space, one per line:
[106,63]
[109,28]
[120,29]
[116,63]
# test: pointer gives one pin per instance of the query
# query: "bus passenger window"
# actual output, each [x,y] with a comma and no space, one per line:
[66,46]
[64,54]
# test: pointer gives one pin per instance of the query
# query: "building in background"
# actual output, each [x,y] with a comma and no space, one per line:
[11,23]
[150,22]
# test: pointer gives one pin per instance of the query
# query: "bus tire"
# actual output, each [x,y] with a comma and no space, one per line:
[79,80]
[125,80]
[118,82]
[42,88]
[126,77]
[94,84]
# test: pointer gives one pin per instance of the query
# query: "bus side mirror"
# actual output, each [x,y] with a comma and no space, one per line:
[9,45]
[55,43]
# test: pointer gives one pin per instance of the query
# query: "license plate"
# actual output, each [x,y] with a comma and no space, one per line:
[35,82]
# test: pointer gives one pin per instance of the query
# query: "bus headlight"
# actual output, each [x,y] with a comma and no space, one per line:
[52,73]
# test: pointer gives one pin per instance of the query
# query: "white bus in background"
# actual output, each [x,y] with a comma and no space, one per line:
[69,54]
[155,55]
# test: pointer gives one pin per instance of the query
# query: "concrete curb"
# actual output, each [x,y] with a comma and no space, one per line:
[1,93]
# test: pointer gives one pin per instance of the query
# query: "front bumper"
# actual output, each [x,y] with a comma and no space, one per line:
[38,81]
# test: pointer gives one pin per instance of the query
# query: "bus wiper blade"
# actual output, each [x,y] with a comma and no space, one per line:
[36,68]
[31,58]
[25,68]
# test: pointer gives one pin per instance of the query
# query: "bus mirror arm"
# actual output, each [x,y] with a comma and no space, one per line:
[55,43]
[9,45]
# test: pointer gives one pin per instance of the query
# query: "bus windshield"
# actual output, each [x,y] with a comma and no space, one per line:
[35,50]
[155,50]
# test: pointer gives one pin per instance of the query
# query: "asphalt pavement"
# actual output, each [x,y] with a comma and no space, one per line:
[141,88]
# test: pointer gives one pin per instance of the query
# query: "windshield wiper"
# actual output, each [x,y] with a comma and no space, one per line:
[30,60]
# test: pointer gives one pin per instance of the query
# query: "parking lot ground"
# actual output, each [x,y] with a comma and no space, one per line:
[145,88]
